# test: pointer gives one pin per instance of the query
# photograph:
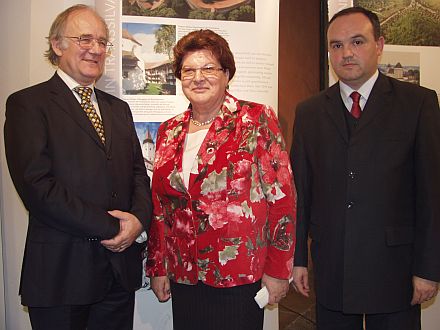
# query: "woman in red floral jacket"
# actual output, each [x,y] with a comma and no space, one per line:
[224,198]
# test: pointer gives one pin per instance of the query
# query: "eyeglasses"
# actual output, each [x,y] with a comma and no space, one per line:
[86,42]
[207,72]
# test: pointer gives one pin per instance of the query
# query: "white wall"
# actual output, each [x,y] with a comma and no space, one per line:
[15,58]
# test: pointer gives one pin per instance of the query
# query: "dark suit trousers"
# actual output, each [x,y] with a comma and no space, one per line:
[114,312]
[402,320]
[202,307]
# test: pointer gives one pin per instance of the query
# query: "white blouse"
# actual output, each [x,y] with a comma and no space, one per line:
[192,145]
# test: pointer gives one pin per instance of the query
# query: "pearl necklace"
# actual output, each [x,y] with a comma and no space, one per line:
[202,123]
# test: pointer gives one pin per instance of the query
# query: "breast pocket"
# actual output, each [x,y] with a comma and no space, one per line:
[392,151]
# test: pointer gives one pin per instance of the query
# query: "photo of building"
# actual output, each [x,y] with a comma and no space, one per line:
[146,62]
[401,65]
[146,133]
[133,68]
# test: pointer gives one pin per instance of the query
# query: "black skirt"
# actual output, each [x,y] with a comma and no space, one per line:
[202,307]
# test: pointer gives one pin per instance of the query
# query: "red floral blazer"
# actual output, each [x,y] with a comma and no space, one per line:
[236,220]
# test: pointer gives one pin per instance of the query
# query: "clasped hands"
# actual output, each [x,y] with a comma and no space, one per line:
[129,229]
[277,288]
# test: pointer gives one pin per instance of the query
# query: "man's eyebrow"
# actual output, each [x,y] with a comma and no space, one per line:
[332,41]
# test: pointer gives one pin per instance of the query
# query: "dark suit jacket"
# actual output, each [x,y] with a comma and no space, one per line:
[371,203]
[68,180]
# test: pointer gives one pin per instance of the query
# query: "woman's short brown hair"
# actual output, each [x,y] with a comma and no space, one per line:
[204,39]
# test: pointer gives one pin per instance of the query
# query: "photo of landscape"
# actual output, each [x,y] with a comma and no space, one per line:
[407,22]
[223,10]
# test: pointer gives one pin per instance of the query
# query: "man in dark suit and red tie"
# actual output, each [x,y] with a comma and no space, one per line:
[366,158]
[76,163]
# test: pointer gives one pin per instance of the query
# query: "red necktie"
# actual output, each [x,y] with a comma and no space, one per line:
[356,108]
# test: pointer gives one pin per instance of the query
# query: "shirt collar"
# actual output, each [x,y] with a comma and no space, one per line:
[364,90]
[69,81]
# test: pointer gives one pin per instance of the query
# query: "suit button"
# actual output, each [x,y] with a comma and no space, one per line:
[351,174]
[114,194]
[350,205]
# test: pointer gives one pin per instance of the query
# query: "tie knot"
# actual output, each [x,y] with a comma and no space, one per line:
[355,96]
[84,92]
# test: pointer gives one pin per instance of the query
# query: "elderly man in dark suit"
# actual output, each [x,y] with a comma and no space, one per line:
[366,158]
[76,163]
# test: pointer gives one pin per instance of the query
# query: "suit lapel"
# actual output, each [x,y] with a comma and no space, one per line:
[378,101]
[63,97]
[176,132]
[334,107]
[107,117]
[218,134]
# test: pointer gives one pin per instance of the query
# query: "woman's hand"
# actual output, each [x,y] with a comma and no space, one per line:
[277,288]
[161,287]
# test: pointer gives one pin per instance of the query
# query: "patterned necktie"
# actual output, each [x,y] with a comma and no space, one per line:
[356,108]
[86,103]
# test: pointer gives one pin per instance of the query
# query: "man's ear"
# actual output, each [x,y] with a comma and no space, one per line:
[379,44]
[57,46]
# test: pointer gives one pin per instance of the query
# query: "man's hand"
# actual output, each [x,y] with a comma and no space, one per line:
[301,280]
[129,229]
[424,290]
[277,288]
[161,287]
